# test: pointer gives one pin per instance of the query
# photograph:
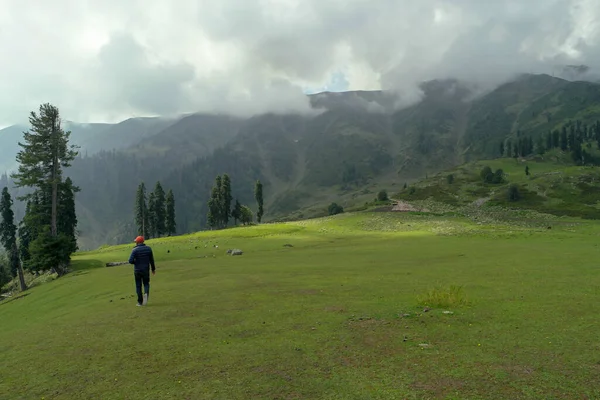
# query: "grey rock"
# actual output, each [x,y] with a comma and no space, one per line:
[114,264]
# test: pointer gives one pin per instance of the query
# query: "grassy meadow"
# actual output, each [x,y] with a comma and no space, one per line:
[370,305]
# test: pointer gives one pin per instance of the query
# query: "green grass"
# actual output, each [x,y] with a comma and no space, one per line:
[337,316]
[444,297]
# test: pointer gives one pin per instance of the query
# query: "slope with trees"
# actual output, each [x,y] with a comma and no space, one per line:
[355,145]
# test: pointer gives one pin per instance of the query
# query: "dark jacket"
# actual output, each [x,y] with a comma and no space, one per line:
[142,258]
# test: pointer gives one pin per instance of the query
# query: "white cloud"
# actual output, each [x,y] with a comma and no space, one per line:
[107,60]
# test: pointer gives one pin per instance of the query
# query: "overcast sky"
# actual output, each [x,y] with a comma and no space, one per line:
[106,60]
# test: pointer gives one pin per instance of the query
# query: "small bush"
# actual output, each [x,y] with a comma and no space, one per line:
[444,297]
[488,176]
[513,193]
[334,209]
[382,196]
[485,173]
[450,179]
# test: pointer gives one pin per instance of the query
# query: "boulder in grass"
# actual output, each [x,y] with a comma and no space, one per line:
[114,264]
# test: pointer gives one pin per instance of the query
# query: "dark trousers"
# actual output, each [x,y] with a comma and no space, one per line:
[141,277]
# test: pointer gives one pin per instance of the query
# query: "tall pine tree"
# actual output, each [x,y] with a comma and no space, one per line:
[226,200]
[45,152]
[8,238]
[8,230]
[141,211]
[67,223]
[564,143]
[159,209]
[258,195]
[152,217]
[549,141]
[237,212]
[214,204]
[170,213]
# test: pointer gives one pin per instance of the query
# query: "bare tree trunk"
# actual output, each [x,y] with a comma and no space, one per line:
[54,179]
[53,228]
[15,259]
[21,278]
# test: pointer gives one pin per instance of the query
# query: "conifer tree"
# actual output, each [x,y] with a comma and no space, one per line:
[152,218]
[214,215]
[225,200]
[564,144]
[67,223]
[555,139]
[540,147]
[8,229]
[170,213]
[45,152]
[141,211]
[258,195]
[237,212]
[8,238]
[160,209]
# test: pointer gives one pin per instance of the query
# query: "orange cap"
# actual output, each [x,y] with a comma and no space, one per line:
[139,239]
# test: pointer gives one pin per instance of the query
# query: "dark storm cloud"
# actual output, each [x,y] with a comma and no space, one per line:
[108,60]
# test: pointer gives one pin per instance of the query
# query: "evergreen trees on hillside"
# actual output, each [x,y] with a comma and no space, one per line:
[219,204]
[573,137]
[156,216]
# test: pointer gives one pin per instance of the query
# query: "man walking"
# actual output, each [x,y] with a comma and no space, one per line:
[142,259]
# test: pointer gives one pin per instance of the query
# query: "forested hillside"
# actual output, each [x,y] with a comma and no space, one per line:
[357,143]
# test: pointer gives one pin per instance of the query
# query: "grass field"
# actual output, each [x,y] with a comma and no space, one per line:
[359,308]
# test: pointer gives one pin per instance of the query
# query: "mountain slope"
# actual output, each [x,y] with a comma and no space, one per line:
[548,187]
[357,145]
[532,104]
[91,138]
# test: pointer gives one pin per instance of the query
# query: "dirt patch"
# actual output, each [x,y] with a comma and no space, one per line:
[367,322]
[308,291]
[439,387]
[336,309]
[481,201]
[383,209]
[402,206]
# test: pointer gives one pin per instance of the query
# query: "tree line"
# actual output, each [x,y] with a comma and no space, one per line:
[220,208]
[46,236]
[154,213]
[574,137]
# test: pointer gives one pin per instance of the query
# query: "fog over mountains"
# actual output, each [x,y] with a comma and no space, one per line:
[352,145]
[321,100]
